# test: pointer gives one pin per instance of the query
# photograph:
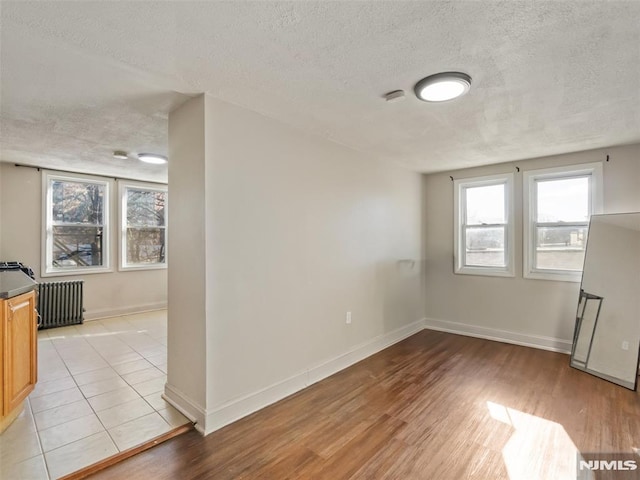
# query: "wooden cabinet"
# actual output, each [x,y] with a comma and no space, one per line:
[18,351]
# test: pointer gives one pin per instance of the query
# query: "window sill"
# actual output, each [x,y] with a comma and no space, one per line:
[75,272]
[486,272]
[555,276]
[137,268]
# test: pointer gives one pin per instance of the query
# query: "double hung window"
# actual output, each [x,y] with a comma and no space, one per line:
[143,214]
[558,204]
[484,225]
[76,225]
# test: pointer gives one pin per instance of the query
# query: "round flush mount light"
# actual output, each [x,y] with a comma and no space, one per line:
[443,86]
[152,158]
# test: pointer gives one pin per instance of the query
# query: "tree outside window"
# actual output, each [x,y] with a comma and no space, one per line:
[76,225]
[143,227]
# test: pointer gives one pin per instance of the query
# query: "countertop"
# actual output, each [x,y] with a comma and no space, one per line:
[14,282]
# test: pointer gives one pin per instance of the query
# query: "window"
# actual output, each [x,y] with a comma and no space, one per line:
[484,225]
[558,204]
[76,225]
[143,214]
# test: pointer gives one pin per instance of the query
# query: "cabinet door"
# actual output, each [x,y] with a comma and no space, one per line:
[20,343]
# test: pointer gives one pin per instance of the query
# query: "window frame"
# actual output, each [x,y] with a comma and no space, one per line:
[47,268]
[595,173]
[123,187]
[460,186]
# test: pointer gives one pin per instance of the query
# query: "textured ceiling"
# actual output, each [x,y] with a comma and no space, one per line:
[80,79]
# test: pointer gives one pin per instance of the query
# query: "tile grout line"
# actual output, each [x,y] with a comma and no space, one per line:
[44,457]
[91,406]
[127,344]
[144,357]
[79,335]
[119,376]
[83,395]
[95,413]
[35,426]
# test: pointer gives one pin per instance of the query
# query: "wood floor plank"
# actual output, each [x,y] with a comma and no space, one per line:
[435,406]
[359,451]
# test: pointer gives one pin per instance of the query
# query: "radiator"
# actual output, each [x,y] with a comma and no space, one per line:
[60,303]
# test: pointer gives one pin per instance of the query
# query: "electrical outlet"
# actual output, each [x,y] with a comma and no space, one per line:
[348,318]
[625,345]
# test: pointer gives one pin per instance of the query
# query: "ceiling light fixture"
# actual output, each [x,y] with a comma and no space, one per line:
[443,86]
[152,158]
[120,155]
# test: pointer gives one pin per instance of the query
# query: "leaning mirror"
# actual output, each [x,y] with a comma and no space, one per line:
[606,340]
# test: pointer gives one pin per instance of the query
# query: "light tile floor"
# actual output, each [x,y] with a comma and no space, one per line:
[98,393]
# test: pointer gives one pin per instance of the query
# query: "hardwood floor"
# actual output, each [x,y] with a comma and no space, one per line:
[435,406]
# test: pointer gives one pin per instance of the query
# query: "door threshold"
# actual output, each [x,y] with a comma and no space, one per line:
[120,456]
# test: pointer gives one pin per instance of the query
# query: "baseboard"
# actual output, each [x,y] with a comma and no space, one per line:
[241,407]
[362,351]
[505,336]
[208,421]
[185,406]
[116,312]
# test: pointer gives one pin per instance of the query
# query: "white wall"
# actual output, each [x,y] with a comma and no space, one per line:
[299,231]
[105,294]
[188,310]
[537,312]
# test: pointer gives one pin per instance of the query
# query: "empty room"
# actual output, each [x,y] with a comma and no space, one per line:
[320,240]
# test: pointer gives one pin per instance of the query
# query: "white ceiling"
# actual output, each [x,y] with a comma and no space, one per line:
[80,79]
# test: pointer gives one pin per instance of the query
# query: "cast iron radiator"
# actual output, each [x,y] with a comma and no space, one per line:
[60,303]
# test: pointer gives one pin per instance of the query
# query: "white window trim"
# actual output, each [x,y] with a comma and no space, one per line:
[594,170]
[459,247]
[122,192]
[47,269]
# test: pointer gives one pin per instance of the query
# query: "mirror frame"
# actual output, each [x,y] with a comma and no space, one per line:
[583,298]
